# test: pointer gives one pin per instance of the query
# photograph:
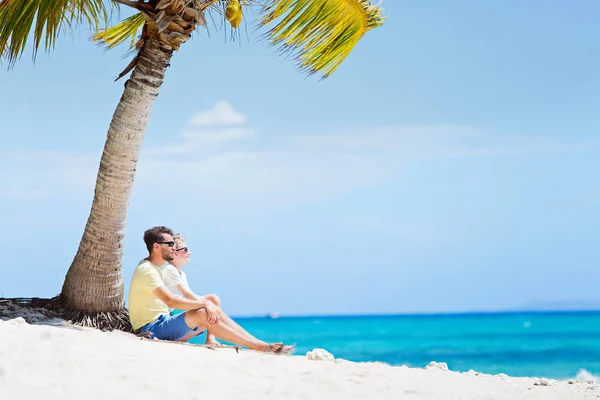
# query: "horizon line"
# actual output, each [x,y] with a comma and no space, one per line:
[275,315]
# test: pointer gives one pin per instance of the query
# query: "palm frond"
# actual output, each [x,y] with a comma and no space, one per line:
[320,34]
[129,27]
[125,30]
[44,19]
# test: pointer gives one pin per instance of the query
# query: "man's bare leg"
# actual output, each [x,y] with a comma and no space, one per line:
[191,335]
[198,318]
[233,325]
[210,338]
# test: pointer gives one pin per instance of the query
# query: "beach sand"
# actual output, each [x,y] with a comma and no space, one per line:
[55,360]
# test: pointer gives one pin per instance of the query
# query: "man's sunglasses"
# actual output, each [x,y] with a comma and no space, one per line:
[170,244]
[183,249]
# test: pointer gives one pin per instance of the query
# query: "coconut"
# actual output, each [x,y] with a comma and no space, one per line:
[237,21]
[233,10]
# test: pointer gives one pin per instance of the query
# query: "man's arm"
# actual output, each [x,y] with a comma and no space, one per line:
[173,301]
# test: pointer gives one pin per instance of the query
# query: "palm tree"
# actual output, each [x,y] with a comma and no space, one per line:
[319,33]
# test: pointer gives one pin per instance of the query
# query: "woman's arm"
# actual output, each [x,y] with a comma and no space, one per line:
[188,294]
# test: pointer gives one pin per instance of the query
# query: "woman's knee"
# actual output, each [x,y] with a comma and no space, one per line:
[213,298]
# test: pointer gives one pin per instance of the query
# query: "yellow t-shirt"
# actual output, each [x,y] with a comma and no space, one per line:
[144,306]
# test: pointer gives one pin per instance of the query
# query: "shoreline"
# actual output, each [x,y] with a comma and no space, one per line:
[36,313]
[420,315]
[57,360]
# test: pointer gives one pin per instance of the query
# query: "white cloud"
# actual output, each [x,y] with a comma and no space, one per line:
[222,114]
[225,168]
[202,141]
[249,180]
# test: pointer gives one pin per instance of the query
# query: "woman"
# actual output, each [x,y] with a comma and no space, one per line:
[176,281]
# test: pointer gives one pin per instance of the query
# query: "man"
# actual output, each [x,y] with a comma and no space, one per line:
[149,302]
[175,280]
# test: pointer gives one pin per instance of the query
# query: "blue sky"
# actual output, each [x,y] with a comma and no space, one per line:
[449,165]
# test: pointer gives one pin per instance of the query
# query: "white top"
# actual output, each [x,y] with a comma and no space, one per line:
[173,278]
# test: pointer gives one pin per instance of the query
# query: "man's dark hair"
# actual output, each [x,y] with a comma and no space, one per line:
[154,235]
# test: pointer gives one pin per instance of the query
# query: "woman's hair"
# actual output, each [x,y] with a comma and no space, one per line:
[179,241]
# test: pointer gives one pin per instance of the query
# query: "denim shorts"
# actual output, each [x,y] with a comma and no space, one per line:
[168,327]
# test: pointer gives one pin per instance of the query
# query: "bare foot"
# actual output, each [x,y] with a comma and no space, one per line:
[212,342]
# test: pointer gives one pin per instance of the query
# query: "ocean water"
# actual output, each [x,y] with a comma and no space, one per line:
[554,345]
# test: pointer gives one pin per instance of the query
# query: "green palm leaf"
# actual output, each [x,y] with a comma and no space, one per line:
[125,30]
[320,33]
[45,19]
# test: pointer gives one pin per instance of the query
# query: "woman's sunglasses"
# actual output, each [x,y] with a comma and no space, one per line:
[183,249]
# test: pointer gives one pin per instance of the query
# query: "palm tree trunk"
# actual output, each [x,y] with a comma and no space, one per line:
[93,293]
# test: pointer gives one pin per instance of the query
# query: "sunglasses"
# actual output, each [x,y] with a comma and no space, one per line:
[183,249]
[170,244]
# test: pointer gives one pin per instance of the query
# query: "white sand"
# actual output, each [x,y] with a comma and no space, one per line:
[58,362]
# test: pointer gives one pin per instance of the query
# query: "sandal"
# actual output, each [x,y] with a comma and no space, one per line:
[279,348]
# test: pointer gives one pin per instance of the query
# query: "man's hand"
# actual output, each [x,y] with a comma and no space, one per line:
[213,313]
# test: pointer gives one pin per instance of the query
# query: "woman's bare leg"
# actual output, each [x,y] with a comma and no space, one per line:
[199,319]
[210,339]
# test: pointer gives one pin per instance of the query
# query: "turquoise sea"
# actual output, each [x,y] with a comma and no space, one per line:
[554,345]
